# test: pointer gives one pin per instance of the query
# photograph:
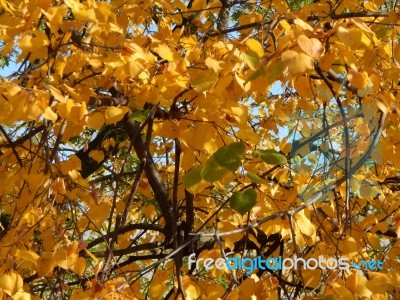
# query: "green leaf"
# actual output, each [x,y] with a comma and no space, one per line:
[270,156]
[254,177]
[139,115]
[230,156]
[252,59]
[238,148]
[212,171]
[192,178]
[243,202]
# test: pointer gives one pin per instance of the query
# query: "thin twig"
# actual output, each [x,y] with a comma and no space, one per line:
[175,219]
[347,161]
[12,145]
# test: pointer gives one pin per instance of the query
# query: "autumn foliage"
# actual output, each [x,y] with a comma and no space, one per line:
[135,133]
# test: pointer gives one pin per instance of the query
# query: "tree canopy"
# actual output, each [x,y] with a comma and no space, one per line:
[136,133]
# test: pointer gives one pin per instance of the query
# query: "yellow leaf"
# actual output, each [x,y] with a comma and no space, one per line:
[214,64]
[4,4]
[312,47]
[249,287]
[357,283]
[379,282]
[396,53]
[56,14]
[303,86]
[27,258]
[35,42]
[115,114]
[78,112]
[375,81]
[211,290]
[249,18]
[56,93]
[58,187]
[79,294]
[191,293]
[97,155]
[49,114]
[349,246]
[312,277]
[357,79]
[73,92]
[103,12]
[304,224]
[255,46]
[97,214]
[352,37]
[78,9]
[79,266]
[301,23]
[165,52]
[95,259]
[64,109]
[157,286]
[61,258]
[297,63]
[205,81]
[74,163]
[96,120]
[338,291]
[230,240]
[242,82]
[21,295]
[12,89]
[11,283]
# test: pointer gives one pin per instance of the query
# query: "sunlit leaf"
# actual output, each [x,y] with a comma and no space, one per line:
[297,63]
[252,59]
[205,81]
[311,47]
[255,46]
[115,114]
[11,283]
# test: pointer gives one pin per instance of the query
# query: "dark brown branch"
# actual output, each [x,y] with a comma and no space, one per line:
[108,101]
[189,213]
[155,180]
[58,140]
[223,16]
[24,138]
[357,14]
[12,145]
[234,29]
[175,219]
[88,164]
[347,161]
[129,250]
